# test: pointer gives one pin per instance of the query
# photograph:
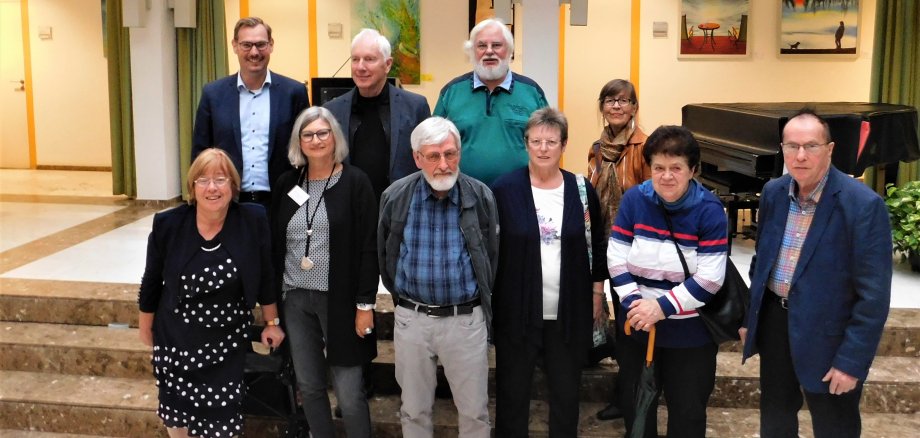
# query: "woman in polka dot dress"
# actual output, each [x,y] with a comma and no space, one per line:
[208,263]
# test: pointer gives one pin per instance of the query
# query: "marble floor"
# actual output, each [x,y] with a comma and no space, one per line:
[66,225]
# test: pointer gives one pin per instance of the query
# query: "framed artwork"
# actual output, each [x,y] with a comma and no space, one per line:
[714,28]
[398,20]
[819,27]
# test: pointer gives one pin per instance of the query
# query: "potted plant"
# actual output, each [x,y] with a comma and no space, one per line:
[904,207]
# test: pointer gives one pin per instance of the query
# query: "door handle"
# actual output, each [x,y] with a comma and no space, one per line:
[22,85]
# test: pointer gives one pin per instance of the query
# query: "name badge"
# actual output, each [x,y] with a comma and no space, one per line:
[298,195]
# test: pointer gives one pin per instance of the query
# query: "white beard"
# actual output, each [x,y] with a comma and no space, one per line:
[492,73]
[442,183]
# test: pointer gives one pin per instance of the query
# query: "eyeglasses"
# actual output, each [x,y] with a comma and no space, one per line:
[248,45]
[205,181]
[435,157]
[810,148]
[484,46]
[322,135]
[536,143]
[610,103]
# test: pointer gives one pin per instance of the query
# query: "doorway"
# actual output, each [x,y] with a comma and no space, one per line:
[14,132]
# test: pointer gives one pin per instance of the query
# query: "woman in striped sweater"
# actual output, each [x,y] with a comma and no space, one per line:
[649,280]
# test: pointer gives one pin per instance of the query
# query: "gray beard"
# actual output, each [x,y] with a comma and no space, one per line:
[442,183]
[492,74]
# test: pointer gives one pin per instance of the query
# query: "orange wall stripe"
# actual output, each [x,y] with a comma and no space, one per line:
[244,8]
[635,33]
[561,85]
[311,25]
[27,73]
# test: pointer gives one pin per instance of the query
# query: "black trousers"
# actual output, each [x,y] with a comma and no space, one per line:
[686,376]
[515,359]
[781,395]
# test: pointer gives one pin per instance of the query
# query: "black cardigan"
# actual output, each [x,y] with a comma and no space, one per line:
[175,239]
[352,211]
[518,294]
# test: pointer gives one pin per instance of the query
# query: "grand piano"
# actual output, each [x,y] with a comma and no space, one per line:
[740,149]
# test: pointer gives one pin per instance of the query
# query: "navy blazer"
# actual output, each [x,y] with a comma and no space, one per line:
[841,287]
[407,110]
[517,299]
[217,122]
[175,239]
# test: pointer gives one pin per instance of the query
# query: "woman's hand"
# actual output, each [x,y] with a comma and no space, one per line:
[272,336]
[364,322]
[644,313]
[145,328]
[599,314]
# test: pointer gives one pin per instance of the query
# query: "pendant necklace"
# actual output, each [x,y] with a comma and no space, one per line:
[306,263]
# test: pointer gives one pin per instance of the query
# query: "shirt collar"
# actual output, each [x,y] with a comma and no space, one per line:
[506,83]
[242,86]
[812,197]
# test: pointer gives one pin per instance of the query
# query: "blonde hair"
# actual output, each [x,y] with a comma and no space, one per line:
[306,117]
[208,159]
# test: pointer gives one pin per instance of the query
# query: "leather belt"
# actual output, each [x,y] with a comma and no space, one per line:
[257,197]
[782,301]
[440,311]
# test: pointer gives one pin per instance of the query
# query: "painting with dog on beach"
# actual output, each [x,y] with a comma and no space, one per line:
[819,27]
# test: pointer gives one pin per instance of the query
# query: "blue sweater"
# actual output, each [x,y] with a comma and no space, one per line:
[643,262]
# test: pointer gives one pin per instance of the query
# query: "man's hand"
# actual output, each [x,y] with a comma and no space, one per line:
[742,333]
[840,382]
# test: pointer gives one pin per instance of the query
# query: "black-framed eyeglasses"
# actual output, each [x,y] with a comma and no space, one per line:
[622,102]
[322,135]
[248,45]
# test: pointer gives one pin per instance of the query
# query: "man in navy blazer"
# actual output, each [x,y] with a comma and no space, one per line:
[376,117]
[250,114]
[820,287]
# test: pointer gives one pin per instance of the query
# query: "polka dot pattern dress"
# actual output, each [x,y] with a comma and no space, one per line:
[200,348]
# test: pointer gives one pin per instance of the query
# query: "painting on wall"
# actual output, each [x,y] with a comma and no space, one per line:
[714,28]
[819,27]
[398,20]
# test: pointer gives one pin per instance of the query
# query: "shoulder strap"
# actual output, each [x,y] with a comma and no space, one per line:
[583,194]
[680,254]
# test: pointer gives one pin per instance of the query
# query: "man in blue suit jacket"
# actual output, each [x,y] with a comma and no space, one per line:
[376,117]
[820,287]
[250,114]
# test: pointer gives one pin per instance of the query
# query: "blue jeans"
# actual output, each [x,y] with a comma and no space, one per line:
[305,321]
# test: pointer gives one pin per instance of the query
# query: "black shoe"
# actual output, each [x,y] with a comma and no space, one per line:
[611,412]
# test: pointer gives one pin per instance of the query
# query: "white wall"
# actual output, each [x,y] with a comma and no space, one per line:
[70,84]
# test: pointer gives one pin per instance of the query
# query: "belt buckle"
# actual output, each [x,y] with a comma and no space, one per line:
[429,309]
[784,302]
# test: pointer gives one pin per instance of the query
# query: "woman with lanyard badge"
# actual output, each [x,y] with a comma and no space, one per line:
[324,219]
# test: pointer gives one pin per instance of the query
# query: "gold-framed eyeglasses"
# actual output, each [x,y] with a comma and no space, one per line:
[205,181]
[810,148]
[308,137]
[483,46]
[435,157]
[610,102]
[537,142]
[248,45]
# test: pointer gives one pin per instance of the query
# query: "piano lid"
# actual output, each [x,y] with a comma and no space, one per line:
[745,137]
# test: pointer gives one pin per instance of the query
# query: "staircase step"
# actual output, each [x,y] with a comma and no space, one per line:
[721,422]
[9,433]
[64,403]
[68,302]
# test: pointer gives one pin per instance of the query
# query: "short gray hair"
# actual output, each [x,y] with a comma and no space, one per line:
[433,130]
[383,44]
[470,45]
[306,117]
[550,118]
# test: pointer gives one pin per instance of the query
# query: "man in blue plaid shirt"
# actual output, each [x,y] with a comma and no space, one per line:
[438,247]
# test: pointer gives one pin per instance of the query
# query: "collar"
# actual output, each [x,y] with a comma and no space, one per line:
[383,98]
[506,83]
[815,194]
[242,86]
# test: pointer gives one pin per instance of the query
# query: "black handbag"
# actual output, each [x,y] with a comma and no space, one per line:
[724,314]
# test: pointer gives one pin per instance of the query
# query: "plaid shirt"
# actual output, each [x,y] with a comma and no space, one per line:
[434,265]
[798,221]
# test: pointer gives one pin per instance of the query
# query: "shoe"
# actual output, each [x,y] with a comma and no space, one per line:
[611,412]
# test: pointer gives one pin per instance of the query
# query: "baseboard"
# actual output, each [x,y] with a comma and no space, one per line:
[83,168]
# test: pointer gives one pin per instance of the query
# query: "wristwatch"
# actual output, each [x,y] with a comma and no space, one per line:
[272,322]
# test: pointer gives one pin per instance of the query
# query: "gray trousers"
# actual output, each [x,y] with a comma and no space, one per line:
[461,344]
[305,320]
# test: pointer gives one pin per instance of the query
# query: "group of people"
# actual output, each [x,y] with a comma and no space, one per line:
[481,237]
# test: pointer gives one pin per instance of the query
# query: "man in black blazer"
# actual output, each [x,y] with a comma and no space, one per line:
[250,114]
[378,118]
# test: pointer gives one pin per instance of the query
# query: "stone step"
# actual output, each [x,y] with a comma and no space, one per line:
[721,422]
[893,385]
[9,433]
[88,303]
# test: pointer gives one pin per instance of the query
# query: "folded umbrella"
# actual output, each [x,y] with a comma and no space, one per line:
[646,389]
